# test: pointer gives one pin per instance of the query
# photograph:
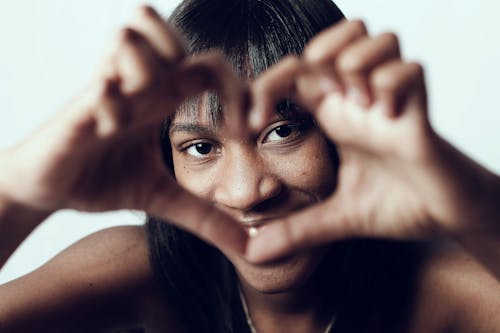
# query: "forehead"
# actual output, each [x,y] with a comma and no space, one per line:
[205,109]
[208,110]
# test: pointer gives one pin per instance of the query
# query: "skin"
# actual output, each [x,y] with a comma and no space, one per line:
[109,270]
[115,122]
[254,178]
[369,101]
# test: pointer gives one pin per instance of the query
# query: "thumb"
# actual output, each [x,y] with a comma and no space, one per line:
[211,72]
[319,224]
[197,216]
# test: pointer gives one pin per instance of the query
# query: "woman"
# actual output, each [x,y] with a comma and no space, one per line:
[289,275]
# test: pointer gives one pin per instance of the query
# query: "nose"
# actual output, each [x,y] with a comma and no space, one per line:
[246,182]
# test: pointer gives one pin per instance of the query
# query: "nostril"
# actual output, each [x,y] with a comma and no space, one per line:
[252,194]
[271,203]
[269,187]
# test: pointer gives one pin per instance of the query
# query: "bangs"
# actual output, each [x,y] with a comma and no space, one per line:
[252,34]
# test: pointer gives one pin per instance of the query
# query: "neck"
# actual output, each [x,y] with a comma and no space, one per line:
[298,310]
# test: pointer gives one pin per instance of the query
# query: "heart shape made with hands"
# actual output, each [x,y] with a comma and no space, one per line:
[366,132]
[372,106]
[362,95]
[365,99]
[393,178]
[103,152]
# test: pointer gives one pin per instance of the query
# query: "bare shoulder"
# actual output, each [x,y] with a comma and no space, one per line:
[97,283]
[456,294]
[107,259]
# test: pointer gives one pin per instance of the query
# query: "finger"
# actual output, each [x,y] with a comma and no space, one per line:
[394,82]
[162,37]
[129,69]
[327,45]
[313,83]
[314,226]
[199,217]
[211,71]
[356,62]
[274,85]
[111,111]
[135,61]
[322,51]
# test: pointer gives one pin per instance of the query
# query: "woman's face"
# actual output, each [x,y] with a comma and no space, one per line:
[256,178]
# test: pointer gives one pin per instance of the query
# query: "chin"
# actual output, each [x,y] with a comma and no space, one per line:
[286,274]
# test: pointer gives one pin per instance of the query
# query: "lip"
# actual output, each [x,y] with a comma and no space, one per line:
[255,226]
[257,223]
[254,231]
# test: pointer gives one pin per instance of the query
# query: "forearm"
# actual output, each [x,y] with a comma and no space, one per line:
[16,223]
[469,209]
[485,247]
[483,241]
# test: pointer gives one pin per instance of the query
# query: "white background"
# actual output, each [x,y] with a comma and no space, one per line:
[50,48]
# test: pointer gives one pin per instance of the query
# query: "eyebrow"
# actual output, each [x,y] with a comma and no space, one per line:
[191,128]
[282,112]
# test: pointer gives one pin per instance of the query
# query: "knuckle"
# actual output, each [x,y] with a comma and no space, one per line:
[396,78]
[214,60]
[219,60]
[315,52]
[260,86]
[292,60]
[293,234]
[127,35]
[385,80]
[416,70]
[351,61]
[262,83]
[104,91]
[358,27]
[146,12]
[391,38]
[392,41]
[289,66]
[150,80]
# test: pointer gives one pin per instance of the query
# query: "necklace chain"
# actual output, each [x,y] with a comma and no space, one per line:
[252,327]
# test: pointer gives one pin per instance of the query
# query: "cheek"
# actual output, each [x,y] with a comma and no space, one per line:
[195,180]
[310,168]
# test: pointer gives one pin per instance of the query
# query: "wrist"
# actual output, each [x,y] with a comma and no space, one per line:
[16,223]
[467,197]
[483,242]
[480,213]
[492,207]
[10,208]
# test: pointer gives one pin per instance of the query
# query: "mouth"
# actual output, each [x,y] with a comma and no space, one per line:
[254,223]
[254,231]
[254,226]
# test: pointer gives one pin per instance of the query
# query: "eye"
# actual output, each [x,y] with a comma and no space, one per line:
[281,132]
[200,149]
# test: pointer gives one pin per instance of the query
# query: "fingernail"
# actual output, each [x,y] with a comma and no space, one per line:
[329,85]
[255,120]
[266,246]
[386,108]
[358,96]
[252,232]
[106,126]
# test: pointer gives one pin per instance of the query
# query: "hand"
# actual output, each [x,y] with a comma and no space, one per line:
[102,152]
[397,178]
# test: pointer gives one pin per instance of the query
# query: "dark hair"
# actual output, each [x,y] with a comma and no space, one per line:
[198,280]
